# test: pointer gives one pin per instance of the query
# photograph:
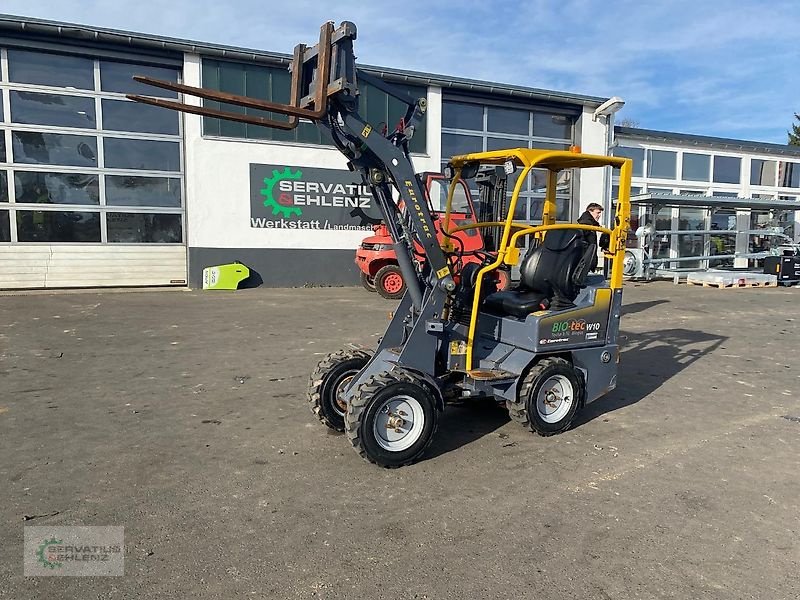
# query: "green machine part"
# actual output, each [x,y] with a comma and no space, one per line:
[224,277]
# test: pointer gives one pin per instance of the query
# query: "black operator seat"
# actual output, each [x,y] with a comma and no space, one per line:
[551,275]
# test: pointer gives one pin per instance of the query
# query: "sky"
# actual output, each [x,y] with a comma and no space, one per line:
[704,67]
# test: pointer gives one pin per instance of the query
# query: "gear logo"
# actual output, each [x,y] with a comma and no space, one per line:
[282,205]
[42,556]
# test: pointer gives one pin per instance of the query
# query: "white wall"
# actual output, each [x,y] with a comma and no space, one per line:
[218,182]
[594,183]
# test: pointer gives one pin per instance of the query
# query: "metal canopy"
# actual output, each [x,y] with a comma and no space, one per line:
[713,201]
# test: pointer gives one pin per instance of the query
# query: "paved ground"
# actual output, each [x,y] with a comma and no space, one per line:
[181,416]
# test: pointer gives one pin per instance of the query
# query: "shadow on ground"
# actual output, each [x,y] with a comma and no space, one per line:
[648,361]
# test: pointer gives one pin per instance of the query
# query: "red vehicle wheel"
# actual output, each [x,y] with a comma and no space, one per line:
[368,282]
[389,282]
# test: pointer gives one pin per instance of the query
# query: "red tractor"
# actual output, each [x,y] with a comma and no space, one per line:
[376,258]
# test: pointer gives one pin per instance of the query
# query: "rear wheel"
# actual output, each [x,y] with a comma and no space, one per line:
[549,397]
[389,282]
[368,282]
[327,384]
[392,418]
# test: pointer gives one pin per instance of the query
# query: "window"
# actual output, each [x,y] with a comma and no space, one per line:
[789,174]
[121,115]
[762,172]
[635,191]
[460,115]
[661,164]
[148,155]
[273,84]
[57,226]
[508,120]
[725,194]
[87,165]
[438,193]
[5,227]
[36,187]
[635,154]
[552,126]
[52,109]
[727,169]
[33,147]
[693,192]
[474,127]
[118,77]
[129,190]
[48,69]
[696,167]
[136,228]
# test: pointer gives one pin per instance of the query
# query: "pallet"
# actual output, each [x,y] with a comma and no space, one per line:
[755,284]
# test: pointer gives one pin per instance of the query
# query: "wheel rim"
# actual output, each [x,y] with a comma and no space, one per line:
[555,398]
[398,423]
[339,404]
[393,283]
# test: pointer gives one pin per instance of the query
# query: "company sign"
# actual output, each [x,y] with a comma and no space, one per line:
[289,197]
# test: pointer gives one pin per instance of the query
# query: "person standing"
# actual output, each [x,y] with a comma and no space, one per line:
[591,216]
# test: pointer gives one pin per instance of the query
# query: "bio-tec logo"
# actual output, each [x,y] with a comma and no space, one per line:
[576,327]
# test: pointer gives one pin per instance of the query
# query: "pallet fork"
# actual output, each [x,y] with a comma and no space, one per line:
[543,349]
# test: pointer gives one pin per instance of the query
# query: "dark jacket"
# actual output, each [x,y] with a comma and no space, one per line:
[591,236]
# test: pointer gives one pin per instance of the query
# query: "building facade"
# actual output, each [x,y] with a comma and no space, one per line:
[736,185]
[98,190]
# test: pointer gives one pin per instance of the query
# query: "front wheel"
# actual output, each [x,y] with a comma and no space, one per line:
[368,282]
[328,381]
[551,394]
[392,418]
[389,282]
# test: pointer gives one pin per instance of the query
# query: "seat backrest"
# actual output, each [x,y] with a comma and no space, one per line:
[550,267]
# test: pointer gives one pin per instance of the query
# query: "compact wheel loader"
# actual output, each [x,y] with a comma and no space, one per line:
[543,348]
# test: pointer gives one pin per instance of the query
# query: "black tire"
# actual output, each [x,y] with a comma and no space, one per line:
[330,374]
[368,282]
[548,370]
[387,276]
[365,408]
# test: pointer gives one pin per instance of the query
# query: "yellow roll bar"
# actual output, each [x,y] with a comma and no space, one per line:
[554,161]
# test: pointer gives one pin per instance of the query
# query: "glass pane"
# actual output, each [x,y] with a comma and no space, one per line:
[131,228]
[56,188]
[458,115]
[2,146]
[438,193]
[33,147]
[52,109]
[789,174]
[696,166]
[507,120]
[1,107]
[57,226]
[552,126]
[615,191]
[635,154]
[3,186]
[691,245]
[725,194]
[727,169]
[693,192]
[661,164]
[5,226]
[454,144]
[658,190]
[661,243]
[762,172]
[118,77]
[119,115]
[493,143]
[126,190]
[58,70]
[722,219]
[142,154]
